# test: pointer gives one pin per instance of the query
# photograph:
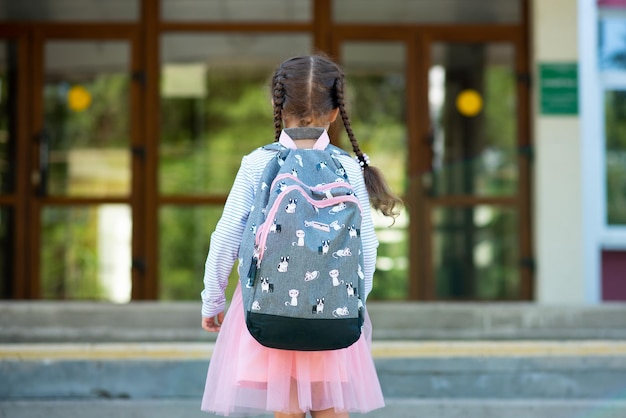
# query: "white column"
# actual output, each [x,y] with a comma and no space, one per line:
[558,177]
[592,147]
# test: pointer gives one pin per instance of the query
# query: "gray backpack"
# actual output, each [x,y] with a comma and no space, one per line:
[301,272]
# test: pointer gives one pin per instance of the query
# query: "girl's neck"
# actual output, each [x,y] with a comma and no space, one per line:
[304,137]
[305,143]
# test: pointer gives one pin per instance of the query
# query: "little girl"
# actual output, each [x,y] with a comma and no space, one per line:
[244,377]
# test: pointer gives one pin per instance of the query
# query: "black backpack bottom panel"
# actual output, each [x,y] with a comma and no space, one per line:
[303,334]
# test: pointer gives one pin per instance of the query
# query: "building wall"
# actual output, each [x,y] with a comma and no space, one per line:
[557,176]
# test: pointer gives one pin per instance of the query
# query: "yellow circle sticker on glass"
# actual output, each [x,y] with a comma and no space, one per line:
[469,103]
[78,98]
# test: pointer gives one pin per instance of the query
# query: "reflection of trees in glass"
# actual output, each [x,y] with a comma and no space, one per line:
[499,277]
[499,158]
[476,260]
[184,242]
[203,140]
[184,235]
[480,153]
[377,111]
[377,108]
[105,124]
[69,268]
[474,247]
[615,126]
[202,143]
[69,260]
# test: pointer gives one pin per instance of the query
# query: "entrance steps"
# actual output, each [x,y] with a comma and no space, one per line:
[149,360]
[469,379]
[180,321]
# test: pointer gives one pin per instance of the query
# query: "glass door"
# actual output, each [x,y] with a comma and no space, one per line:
[376,85]
[215,108]
[85,112]
[443,112]
[475,182]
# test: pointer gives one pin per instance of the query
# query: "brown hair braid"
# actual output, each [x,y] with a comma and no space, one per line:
[309,87]
[278,92]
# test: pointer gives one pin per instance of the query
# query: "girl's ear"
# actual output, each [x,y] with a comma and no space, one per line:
[333,115]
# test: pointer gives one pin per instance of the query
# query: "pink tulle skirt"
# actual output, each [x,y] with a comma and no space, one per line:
[246,378]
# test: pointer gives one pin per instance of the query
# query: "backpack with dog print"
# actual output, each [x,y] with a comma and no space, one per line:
[301,259]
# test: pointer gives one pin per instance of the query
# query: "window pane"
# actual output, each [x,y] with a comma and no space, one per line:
[215,106]
[86,143]
[69,10]
[615,149]
[6,252]
[428,11]
[612,40]
[237,10]
[86,253]
[476,253]
[183,247]
[472,97]
[376,91]
[8,98]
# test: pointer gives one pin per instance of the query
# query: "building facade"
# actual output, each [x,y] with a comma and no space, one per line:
[122,124]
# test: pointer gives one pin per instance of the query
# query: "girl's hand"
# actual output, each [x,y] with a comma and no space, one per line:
[213,324]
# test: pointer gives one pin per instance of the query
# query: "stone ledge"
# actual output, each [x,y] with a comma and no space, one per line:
[380,349]
[45,321]
[461,374]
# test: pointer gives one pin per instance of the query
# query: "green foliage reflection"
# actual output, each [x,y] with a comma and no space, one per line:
[615,125]
[69,260]
[377,113]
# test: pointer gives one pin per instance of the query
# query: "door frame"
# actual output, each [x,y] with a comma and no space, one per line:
[37,36]
[17,199]
[522,200]
[417,39]
[144,36]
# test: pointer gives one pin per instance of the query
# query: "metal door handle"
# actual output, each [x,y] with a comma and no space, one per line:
[44,162]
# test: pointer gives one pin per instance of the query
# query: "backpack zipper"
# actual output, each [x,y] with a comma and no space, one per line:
[314,188]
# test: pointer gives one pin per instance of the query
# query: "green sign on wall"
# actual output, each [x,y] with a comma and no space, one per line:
[558,88]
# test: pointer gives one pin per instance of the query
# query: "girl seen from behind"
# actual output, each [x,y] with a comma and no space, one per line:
[246,378]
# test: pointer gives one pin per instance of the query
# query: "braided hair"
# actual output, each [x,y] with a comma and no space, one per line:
[306,88]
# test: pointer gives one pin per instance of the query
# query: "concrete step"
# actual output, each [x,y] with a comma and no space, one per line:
[396,408]
[46,321]
[506,370]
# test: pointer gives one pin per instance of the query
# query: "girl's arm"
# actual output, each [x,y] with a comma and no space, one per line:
[225,241]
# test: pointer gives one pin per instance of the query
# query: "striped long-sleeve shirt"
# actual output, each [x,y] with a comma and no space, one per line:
[226,238]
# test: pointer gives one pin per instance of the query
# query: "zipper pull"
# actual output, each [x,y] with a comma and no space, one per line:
[255,263]
[252,273]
